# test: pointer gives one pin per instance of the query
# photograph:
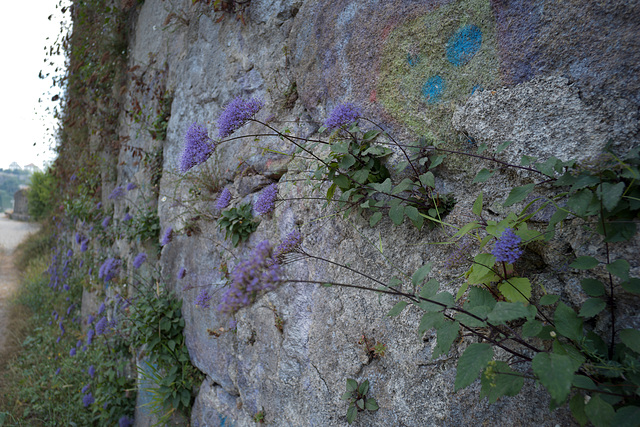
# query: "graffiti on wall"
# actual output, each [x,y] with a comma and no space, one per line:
[434,62]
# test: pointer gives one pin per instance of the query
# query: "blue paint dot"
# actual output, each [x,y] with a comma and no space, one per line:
[464,44]
[433,88]
[413,59]
[477,88]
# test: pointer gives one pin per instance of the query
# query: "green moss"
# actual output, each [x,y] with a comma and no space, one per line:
[416,51]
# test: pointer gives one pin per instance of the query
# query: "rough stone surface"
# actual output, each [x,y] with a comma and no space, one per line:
[20,205]
[555,78]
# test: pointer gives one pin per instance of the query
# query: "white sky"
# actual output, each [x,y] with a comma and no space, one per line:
[24,28]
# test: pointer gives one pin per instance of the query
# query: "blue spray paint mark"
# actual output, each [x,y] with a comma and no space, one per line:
[477,88]
[413,59]
[433,88]
[464,44]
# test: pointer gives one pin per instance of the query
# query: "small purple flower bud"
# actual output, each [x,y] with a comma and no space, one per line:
[342,115]
[223,199]
[267,199]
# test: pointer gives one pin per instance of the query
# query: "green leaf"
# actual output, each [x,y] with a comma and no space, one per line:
[600,413]
[620,268]
[584,263]
[428,180]
[477,205]
[352,385]
[555,372]
[430,320]
[577,409]
[351,413]
[447,333]
[531,328]
[396,213]
[579,202]
[591,307]
[347,395]
[478,321]
[364,387]
[340,147]
[347,161]
[627,416]
[500,380]
[549,299]
[617,231]
[444,298]
[567,322]
[610,194]
[370,135]
[631,338]
[414,215]
[480,297]
[482,176]
[471,363]
[371,405]
[429,289]
[481,268]
[436,160]
[375,218]
[384,187]
[507,311]
[466,228]
[503,146]
[518,194]
[592,287]
[516,289]
[397,309]
[632,285]
[405,185]
[360,176]
[420,275]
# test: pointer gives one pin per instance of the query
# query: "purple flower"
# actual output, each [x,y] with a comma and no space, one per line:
[90,319]
[86,388]
[87,400]
[101,309]
[79,344]
[236,114]
[197,147]
[342,115]
[78,238]
[105,221]
[71,307]
[90,334]
[181,273]
[58,371]
[72,352]
[267,200]
[506,248]
[251,277]
[58,340]
[131,186]
[140,258]
[125,421]
[117,193]
[167,236]
[62,327]
[91,371]
[70,253]
[203,298]
[99,205]
[223,199]
[84,348]
[291,243]
[84,245]
[109,269]
[127,217]
[101,326]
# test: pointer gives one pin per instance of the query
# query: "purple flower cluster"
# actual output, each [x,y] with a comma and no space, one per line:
[223,199]
[140,258]
[251,277]
[131,186]
[105,221]
[167,236]
[87,400]
[84,245]
[197,147]
[181,273]
[507,247]
[291,243]
[90,334]
[125,421]
[117,193]
[72,352]
[236,114]
[203,298]
[109,269]
[101,326]
[127,217]
[267,200]
[342,115]
[91,371]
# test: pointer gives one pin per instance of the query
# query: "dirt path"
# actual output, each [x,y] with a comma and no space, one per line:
[11,234]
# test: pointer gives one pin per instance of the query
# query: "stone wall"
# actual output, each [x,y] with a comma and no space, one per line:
[556,78]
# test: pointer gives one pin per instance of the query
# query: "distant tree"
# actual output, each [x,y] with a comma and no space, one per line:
[41,195]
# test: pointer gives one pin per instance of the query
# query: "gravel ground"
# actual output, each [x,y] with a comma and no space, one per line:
[11,234]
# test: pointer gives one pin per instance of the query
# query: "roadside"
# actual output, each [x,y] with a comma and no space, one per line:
[11,234]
